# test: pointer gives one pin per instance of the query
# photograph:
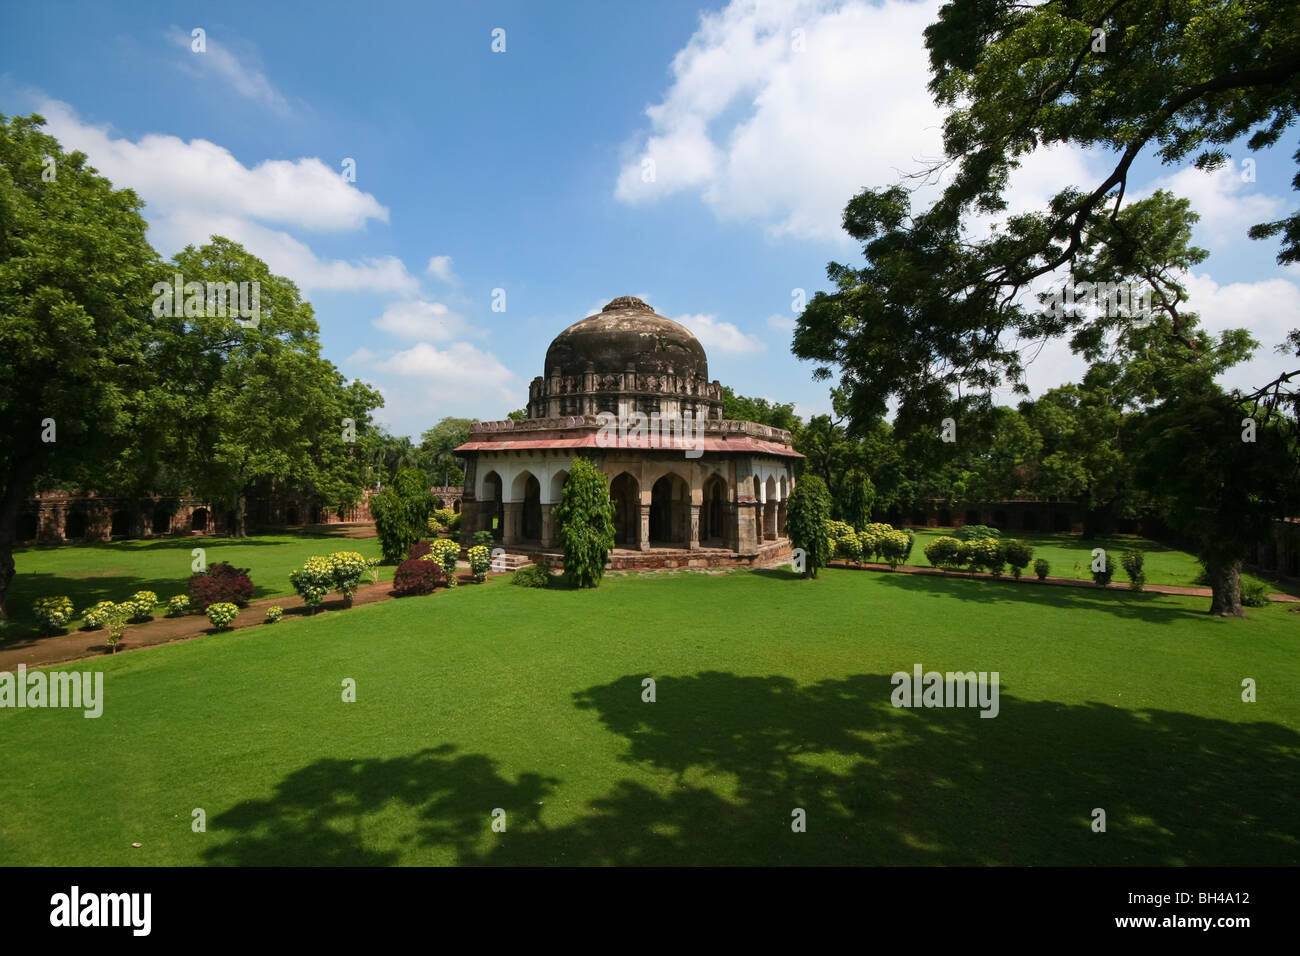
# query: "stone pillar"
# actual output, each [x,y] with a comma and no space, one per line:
[513,517]
[780,518]
[769,521]
[644,543]
[694,541]
[548,527]
[747,529]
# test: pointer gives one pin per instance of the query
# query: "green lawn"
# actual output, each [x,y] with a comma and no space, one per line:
[1070,556]
[773,693]
[113,571]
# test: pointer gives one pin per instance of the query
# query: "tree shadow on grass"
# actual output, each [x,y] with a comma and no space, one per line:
[1148,606]
[318,814]
[715,767]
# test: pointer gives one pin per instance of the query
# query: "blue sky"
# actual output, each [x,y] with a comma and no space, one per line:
[524,171]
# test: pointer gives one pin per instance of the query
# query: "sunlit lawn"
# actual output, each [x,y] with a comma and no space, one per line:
[772,694]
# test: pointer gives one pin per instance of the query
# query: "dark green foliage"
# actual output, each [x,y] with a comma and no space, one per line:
[1132,561]
[977,532]
[807,515]
[1042,568]
[1018,554]
[532,575]
[985,553]
[585,520]
[1102,578]
[401,513]
[483,538]
[1254,594]
[857,498]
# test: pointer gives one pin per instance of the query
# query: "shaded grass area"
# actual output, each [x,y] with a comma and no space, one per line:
[113,571]
[1071,557]
[772,693]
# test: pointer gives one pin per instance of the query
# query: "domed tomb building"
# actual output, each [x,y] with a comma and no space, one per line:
[630,390]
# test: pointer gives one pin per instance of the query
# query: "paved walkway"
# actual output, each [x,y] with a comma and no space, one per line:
[1062,582]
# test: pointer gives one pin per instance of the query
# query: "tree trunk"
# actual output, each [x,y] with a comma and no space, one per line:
[16,489]
[1225,583]
[241,516]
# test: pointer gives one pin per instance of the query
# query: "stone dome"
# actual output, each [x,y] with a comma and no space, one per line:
[627,334]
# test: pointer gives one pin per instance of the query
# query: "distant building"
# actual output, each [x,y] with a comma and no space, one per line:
[630,390]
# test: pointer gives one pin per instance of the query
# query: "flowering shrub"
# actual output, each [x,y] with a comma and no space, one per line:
[446,552]
[52,613]
[93,618]
[372,565]
[895,547]
[274,614]
[141,605]
[416,576]
[871,539]
[985,553]
[313,581]
[221,614]
[178,605]
[348,566]
[849,547]
[220,583]
[944,552]
[441,520]
[480,561]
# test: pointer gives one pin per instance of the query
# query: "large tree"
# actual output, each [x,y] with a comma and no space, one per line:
[436,447]
[262,405]
[75,277]
[941,310]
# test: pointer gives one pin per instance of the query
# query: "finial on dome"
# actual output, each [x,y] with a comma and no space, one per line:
[627,302]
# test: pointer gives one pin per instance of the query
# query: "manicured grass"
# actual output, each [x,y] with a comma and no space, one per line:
[773,693]
[1070,556]
[113,571]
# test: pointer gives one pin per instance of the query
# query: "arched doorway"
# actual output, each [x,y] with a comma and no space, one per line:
[528,488]
[626,495]
[493,512]
[315,514]
[162,521]
[199,520]
[769,509]
[712,531]
[669,511]
[121,525]
[291,515]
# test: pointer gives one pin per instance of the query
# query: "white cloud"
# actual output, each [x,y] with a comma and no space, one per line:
[1268,309]
[198,189]
[1227,204]
[449,372]
[771,134]
[244,78]
[421,320]
[440,266]
[783,324]
[720,336]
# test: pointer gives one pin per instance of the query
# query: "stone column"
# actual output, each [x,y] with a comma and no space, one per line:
[514,512]
[548,527]
[644,543]
[694,542]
